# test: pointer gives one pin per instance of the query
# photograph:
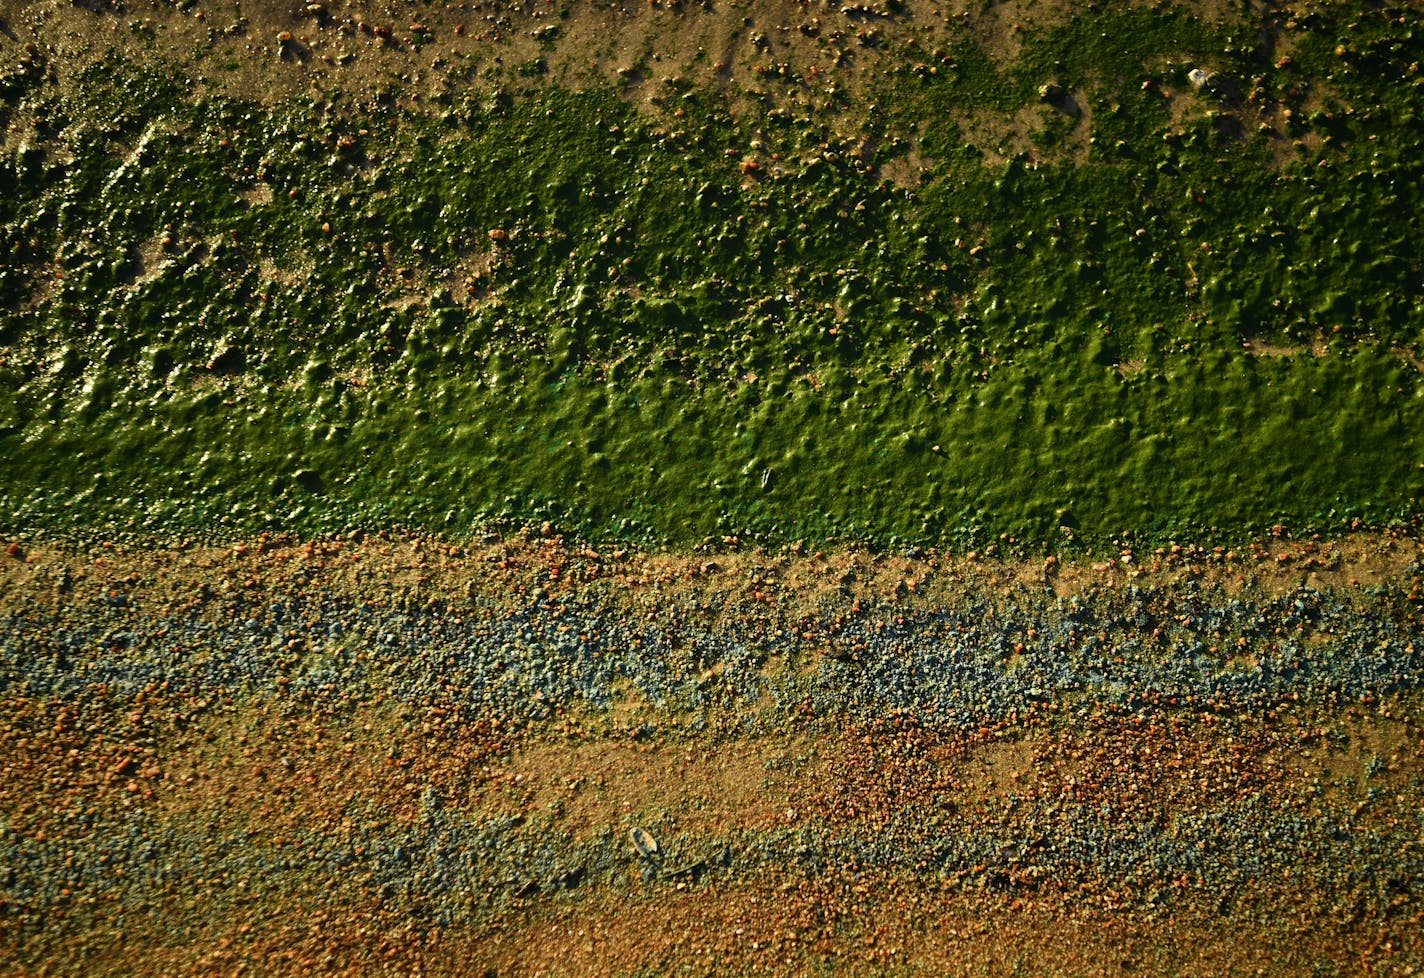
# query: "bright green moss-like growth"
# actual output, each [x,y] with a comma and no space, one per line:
[552,307]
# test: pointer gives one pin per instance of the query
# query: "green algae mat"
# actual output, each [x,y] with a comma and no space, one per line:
[1189,299]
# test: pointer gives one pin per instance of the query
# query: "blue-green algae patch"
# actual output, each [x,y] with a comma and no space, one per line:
[551,307]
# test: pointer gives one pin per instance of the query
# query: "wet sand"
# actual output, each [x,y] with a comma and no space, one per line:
[410,756]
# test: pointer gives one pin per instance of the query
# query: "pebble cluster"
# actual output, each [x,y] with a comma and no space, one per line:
[983,662]
[1155,748]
